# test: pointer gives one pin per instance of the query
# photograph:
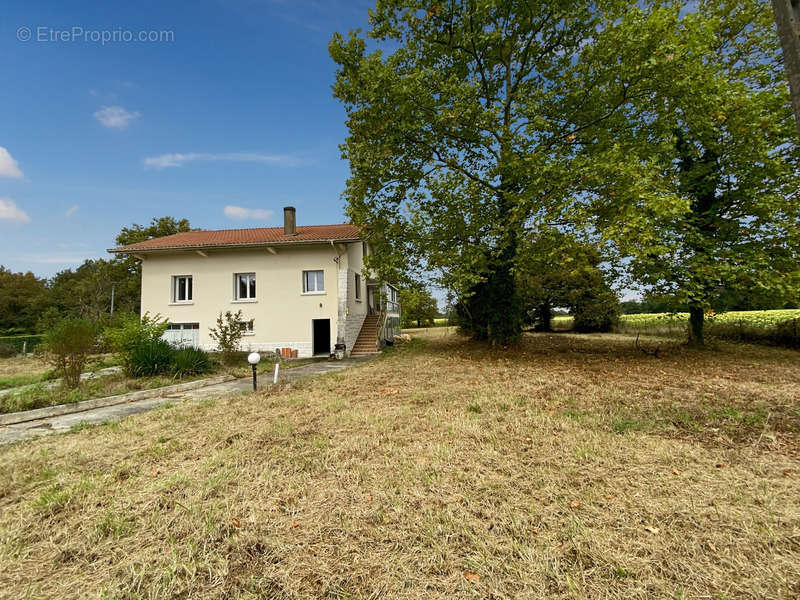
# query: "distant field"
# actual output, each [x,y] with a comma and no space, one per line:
[665,323]
[757,318]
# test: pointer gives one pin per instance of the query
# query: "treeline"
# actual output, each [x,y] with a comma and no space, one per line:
[724,301]
[30,304]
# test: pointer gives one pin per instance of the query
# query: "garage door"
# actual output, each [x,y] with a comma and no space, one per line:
[183,335]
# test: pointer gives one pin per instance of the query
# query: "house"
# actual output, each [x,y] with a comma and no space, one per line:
[303,288]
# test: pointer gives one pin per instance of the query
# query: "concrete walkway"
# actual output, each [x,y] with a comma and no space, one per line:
[30,429]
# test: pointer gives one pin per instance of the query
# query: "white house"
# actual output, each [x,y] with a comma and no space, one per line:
[303,288]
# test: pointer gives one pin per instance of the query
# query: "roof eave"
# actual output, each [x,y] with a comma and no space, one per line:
[128,250]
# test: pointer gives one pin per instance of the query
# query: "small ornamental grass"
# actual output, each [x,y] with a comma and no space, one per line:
[152,357]
[135,340]
[190,361]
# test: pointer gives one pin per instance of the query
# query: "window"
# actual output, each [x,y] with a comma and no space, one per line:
[247,326]
[244,286]
[182,288]
[313,282]
[358,286]
[183,326]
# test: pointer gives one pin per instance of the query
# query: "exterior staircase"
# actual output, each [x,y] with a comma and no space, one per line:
[367,340]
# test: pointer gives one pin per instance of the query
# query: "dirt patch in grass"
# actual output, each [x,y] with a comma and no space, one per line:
[443,470]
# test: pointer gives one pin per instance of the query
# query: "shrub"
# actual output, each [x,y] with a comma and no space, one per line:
[151,357]
[133,336]
[228,333]
[190,361]
[596,313]
[7,350]
[67,346]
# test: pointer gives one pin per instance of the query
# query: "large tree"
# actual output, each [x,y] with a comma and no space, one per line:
[787,19]
[418,305]
[704,198]
[466,130]
[158,227]
[555,270]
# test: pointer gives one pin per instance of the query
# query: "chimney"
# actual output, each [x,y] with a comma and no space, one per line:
[289,223]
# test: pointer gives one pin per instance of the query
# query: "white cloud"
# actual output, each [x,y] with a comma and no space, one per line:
[115,117]
[9,211]
[242,214]
[165,161]
[71,210]
[8,166]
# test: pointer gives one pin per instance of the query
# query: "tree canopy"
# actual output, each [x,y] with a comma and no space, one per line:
[705,203]
[472,124]
[29,303]
[418,305]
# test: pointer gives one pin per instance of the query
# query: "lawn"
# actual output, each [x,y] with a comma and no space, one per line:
[39,396]
[30,396]
[571,466]
[22,366]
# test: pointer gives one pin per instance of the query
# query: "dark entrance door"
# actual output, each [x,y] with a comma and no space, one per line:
[321,340]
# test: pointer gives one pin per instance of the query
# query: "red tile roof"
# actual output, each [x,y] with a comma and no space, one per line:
[263,236]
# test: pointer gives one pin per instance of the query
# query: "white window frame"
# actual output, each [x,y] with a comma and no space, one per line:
[248,327]
[357,278]
[251,277]
[320,277]
[176,287]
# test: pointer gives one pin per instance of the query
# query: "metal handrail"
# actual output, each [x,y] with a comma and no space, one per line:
[382,325]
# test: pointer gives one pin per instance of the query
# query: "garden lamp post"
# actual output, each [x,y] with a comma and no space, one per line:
[253,359]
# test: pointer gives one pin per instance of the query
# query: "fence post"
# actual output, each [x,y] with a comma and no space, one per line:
[24,347]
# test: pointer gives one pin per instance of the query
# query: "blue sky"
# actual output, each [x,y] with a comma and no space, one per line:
[230,106]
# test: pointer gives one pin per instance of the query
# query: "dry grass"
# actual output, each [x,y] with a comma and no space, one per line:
[444,470]
[21,365]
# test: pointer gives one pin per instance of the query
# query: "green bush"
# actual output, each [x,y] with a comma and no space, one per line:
[596,312]
[190,361]
[134,337]
[228,333]
[151,357]
[7,350]
[67,346]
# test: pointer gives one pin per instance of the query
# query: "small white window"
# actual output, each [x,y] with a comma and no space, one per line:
[182,288]
[247,326]
[244,286]
[358,286]
[313,281]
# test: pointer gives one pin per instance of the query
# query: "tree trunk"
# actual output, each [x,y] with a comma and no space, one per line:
[787,18]
[546,316]
[504,309]
[696,321]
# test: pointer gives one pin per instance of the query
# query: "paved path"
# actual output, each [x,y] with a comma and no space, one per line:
[22,431]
